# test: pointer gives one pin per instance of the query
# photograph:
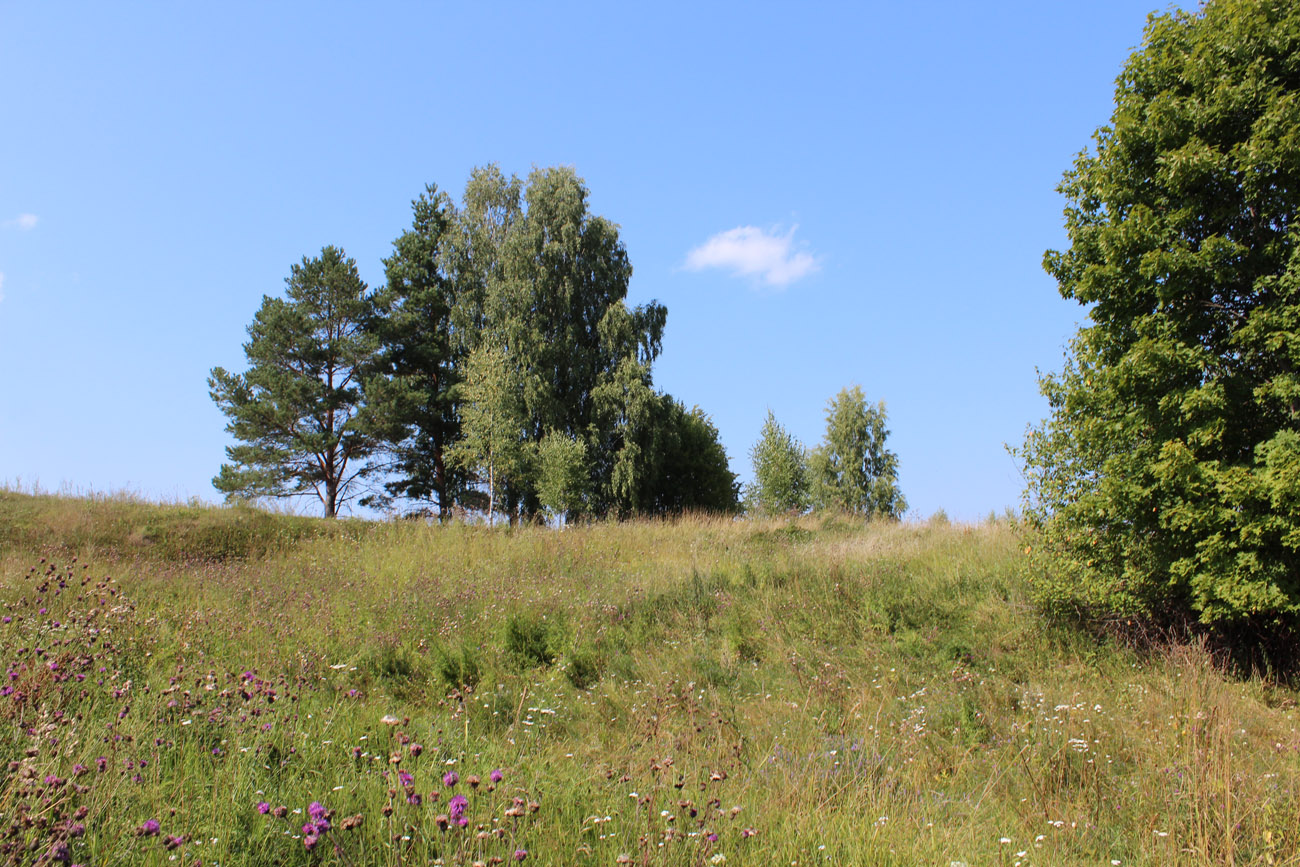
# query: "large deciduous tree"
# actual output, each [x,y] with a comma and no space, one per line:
[852,471]
[1167,477]
[549,280]
[297,411]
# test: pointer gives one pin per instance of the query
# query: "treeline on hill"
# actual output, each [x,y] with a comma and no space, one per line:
[497,369]
[851,471]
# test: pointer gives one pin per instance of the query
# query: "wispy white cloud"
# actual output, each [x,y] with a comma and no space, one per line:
[748,251]
[23,222]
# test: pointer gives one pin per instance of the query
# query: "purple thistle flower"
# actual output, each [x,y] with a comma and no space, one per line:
[414,799]
[263,807]
[405,779]
[315,810]
[149,829]
[456,808]
[450,779]
[496,776]
[416,749]
[521,854]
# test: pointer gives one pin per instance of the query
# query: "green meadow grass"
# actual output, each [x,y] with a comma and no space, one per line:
[700,691]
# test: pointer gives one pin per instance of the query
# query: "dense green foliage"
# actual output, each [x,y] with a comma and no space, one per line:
[1166,479]
[780,465]
[755,690]
[412,390]
[493,421]
[502,323]
[297,411]
[852,471]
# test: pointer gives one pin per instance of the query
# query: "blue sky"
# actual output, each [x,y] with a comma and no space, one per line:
[821,194]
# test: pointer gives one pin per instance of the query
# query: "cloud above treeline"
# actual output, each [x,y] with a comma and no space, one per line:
[23,222]
[770,257]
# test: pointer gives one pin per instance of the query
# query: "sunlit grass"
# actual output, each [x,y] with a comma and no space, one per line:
[677,692]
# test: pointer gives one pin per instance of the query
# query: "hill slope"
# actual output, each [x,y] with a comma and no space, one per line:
[662,693]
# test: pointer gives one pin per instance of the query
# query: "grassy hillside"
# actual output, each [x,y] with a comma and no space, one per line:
[686,692]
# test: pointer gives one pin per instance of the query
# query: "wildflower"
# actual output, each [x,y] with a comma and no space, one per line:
[102,764]
[315,810]
[450,779]
[263,807]
[280,812]
[472,780]
[149,829]
[456,808]
[414,799]
[174,842]
[416,749]
[718,859]
[496,776]
[521,854]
